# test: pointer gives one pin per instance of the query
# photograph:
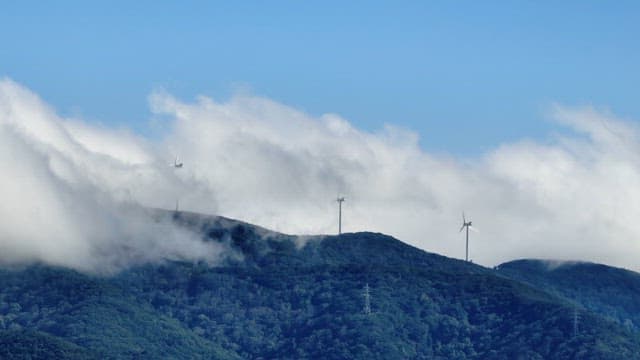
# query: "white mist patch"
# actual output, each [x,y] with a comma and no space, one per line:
[552,265]
[62,201]
[573,196]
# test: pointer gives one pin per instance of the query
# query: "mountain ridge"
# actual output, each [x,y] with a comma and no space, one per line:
[611,291]
[290,299]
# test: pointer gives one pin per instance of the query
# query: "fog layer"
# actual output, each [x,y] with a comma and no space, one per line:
[74,192]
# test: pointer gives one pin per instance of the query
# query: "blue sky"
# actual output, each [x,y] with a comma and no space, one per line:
[466,75]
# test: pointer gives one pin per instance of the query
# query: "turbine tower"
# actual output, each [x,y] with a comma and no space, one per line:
[367,300]
[340,201]
[177,165]
[466,224]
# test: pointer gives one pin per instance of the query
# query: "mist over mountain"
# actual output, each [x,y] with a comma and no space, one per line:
[75,192]
[274,296]
[92,267]
[298,180]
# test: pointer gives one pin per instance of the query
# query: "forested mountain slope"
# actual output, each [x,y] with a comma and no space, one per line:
[286,297]
[612,292]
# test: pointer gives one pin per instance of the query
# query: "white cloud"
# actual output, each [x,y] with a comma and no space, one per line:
[64,203]
[574,196]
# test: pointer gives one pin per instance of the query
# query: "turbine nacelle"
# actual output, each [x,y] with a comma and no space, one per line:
[176,163]
[467,224]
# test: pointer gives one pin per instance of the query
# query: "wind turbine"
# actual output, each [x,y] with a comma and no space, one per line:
[340,200]
[466,224]
[177,165]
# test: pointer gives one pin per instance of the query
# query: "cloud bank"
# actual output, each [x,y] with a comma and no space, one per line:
[66,191]
[73,191]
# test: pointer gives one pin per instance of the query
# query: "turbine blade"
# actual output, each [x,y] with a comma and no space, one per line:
[462,227]
[472,228]
[464,219]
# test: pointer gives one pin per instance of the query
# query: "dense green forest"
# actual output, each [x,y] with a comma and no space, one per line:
[281,297]
[608,291]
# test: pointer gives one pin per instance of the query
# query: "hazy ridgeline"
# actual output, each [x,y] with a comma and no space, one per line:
[74,192]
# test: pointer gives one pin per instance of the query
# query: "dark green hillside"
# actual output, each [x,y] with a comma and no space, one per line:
[278,296]
[94,314]
[37,345]
[612,292]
